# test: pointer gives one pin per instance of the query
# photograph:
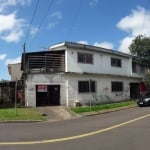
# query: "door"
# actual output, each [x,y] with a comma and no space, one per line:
[134,90]
[47,95]
[54,95]
[42,95]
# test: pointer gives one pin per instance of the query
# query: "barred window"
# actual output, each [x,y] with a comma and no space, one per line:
[115,62]
[117,86]
[86,86]
[85,58]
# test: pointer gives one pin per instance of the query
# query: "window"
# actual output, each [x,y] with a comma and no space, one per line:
[115,62]
[86,86]
[117,86]
[134,70]
[85,58]
[142,69]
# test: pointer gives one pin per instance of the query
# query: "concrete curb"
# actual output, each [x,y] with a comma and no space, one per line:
[86,114]
[21,121]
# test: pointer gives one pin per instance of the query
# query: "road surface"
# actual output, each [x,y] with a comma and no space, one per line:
[123,130]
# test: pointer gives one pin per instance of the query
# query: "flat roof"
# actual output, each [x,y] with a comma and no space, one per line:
[89,47]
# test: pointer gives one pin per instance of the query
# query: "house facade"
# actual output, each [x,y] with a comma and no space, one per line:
[71,73]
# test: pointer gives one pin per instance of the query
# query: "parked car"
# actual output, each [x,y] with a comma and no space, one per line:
[144,100]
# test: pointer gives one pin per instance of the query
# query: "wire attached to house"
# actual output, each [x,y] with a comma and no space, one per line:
[42,21]
[33,16]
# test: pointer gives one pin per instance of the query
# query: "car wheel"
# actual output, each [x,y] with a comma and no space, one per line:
[140,105]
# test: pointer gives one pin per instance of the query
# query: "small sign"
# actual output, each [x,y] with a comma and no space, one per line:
[42,88]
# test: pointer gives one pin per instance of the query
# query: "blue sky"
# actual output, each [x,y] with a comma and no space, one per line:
[105,23]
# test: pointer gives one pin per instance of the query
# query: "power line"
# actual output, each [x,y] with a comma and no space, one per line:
[42,21]
[33,16]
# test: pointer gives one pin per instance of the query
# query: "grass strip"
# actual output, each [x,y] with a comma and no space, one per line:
[9,114]
[100,107]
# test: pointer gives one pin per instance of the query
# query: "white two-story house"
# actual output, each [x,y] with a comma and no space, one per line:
[71,73]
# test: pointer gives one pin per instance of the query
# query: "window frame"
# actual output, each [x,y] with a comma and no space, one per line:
[116,62]
[116,89]
[85,58]
[87,86]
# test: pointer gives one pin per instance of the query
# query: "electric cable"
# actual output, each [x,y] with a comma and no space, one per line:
[33,16]
[42,21]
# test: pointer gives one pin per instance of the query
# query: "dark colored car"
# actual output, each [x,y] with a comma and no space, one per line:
[144,100]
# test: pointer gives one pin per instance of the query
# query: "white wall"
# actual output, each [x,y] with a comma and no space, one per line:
[101,64]
[48,79]
[69,88]
[103,92]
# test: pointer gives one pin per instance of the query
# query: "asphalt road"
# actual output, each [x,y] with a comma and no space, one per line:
[121,130]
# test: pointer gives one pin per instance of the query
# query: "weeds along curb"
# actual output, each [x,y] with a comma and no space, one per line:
[86,114]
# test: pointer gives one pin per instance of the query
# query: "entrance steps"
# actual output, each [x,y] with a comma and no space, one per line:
[56,113]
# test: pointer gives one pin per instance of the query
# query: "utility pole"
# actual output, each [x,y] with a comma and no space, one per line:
[90,91]
[24,70]
[16,92]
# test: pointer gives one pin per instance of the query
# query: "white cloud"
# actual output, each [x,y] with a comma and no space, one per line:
[11,27]
[2,56]
[13,61]
[93,2]
[4,4]
[83,42]
[33,31]
[104,44]
[124,44]
[138,22]
[57,15]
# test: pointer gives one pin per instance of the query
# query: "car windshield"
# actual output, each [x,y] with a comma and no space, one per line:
[147,94]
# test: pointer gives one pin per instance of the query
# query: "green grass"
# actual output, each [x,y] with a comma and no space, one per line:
[100,107]
[9,114]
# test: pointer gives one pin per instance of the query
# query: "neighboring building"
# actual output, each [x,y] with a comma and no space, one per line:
[9,90]
[15,71]
[72,72]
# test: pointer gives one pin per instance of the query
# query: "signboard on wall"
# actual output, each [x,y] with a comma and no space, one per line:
[42,88]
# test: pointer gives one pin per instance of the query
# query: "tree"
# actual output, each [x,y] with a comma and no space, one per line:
[140,47]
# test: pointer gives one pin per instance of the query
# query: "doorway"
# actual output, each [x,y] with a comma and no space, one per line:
[47,95]
[134,90]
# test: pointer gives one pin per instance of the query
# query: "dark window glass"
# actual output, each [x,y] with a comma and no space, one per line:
[81,57]
[89,58]
[85,58]
[86,86]
[147,94]
[134,67]
[115,62]
[117,86]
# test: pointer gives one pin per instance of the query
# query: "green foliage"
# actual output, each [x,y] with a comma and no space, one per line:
[8,114]
[147,80]
[100,107]
[140,47]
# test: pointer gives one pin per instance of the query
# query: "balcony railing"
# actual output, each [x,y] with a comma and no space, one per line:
[46,63]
